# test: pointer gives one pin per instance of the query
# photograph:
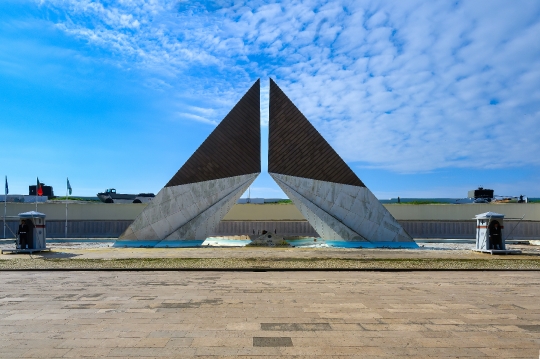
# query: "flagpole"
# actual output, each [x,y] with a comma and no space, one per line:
[37,189]
[66,208]
[5,207]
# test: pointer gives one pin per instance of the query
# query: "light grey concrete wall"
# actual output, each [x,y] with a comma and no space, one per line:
[528,230]
[204,223]
[78,229]
[417,229]
[341,211]
[288,228]
[189,211]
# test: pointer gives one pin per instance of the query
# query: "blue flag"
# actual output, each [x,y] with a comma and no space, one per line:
[68,187]
[7,188]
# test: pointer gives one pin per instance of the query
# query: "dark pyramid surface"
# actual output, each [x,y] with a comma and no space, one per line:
[232,149]
[296,148]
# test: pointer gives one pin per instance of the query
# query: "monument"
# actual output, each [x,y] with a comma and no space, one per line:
[326,191]
[212,180]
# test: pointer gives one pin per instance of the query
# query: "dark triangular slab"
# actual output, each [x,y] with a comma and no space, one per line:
[232,149]
[296,148]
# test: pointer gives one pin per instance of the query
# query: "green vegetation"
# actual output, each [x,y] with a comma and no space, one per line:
[284,201]
[73,199]
[421,202]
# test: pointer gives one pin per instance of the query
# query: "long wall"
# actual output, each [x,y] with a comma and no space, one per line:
[279,212]
[462,212]
[97,220]
[80,211]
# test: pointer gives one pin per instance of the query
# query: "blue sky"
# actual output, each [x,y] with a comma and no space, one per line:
[421,98]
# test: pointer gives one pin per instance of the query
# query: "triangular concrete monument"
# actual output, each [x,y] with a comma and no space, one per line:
[327,192]
[211,181]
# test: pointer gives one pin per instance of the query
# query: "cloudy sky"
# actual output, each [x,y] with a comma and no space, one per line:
[421,98]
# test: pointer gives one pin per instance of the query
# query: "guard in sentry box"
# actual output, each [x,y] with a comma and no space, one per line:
[22,232]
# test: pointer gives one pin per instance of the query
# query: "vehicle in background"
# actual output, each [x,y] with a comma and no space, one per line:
[110,196]
[510,199]
[481,195]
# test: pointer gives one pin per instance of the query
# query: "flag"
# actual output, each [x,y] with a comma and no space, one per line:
[68,187]
[7,188]
[39,190]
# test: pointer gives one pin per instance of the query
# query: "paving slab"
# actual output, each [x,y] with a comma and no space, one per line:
[148,314]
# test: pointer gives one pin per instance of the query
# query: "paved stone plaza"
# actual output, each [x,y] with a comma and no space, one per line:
[270,314]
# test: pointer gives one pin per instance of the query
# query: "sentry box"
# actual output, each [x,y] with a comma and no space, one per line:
[489,234]
[31,233]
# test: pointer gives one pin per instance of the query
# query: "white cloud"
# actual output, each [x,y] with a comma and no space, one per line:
[409,86]
[192,117]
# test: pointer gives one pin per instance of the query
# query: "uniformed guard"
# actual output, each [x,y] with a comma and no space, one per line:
[22,232]
[495,235]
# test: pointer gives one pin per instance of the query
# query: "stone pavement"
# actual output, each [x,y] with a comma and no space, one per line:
[269,314]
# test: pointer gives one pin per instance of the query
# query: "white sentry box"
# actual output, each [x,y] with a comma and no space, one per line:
[37,229]
[489,234]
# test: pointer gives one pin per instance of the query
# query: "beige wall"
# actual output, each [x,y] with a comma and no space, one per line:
[264,212]
[80,211]
[279,212]
[460,212]
[402,212]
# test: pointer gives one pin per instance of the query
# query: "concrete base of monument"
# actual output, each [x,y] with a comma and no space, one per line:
[318,242]
[241,241]
[269,240]
[399,245]
[158,244]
